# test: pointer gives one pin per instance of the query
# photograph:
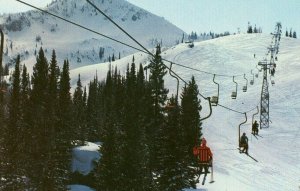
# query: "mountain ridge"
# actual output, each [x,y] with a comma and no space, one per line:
[26,32]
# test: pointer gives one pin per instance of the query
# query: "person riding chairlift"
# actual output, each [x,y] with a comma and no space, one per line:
[244,144]
[204,155]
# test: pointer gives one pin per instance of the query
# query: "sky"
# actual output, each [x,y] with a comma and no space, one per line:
[208,15]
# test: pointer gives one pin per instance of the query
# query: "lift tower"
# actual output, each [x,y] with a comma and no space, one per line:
[264,101]
[265,65]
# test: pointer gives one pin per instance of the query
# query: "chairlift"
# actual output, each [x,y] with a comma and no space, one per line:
[252,80]
[190,44]
[234,93]
[272,81]
[245,87]
[215,99]
[255,114]
[239,140]
[259,69]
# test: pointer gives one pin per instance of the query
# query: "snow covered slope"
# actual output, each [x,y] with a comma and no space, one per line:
[26,32]
[278,152]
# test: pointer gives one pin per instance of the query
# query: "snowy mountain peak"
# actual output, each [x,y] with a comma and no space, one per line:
[26,32]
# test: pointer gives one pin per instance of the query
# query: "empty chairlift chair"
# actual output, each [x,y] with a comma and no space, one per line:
[234,93]
[245,87]
[215,99]
[272,81]
[252,80]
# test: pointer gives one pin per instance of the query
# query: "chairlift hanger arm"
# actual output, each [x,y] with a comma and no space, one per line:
[210,110]
[170,72]
[255,114]
[246,79]
[217,84]
[240,127]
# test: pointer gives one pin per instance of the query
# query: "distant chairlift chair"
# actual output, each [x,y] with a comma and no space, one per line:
[234,93]
[252,80]
[245,87]
[215,99]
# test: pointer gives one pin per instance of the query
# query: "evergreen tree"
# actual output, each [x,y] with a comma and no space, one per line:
[158,99]
[144,110]
[294,34]
[113,57]
[255,29]
[249,29]
[190,108]
[190,121]
[109,169]
[290,35]
[172,174]
[79,113]
[286,33]
[13,137]
[92,112]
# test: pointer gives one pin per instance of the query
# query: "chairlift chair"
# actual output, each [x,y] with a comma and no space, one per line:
[252,80]
[273,82]
[215,99]
[239,129]
[245,87]
[234,93]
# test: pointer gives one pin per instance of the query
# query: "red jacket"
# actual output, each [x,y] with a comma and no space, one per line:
[203,152]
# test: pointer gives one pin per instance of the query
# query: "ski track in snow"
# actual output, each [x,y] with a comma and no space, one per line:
[278,152]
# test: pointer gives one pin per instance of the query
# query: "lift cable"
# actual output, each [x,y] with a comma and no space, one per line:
[125,44]
[78,25]
[144,51]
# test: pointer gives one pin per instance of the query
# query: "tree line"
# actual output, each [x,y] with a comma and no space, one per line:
[146,137]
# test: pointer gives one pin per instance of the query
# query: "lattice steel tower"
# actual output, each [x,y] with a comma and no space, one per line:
[264,102]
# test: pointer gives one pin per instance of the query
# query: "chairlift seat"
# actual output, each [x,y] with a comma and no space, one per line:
[191,45]
[244,88]
[214,100]
[233,95]
[272,82]
[251,82]
[256,75]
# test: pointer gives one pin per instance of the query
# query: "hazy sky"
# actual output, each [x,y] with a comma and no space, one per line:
[208,15]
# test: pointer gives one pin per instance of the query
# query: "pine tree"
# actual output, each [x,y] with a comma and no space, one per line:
[286,33]
[249,29]
[291,34]
[79,113]
[64,132]
[38,122]
[92,112]
[190,120]
[172,175]
[255,29]
[144,110]
[294,34]
[190,106]
[109,167]
[113,57]
[158,99]
[13,137]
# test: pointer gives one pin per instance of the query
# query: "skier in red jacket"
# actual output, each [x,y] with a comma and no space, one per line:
[204,155]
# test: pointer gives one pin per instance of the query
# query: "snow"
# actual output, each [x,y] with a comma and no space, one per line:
[77,45]
[80,188]
[84,157]
[278,151]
